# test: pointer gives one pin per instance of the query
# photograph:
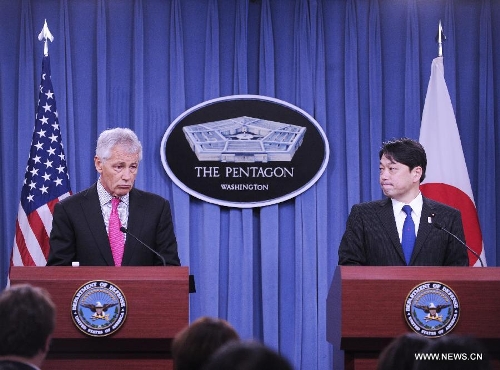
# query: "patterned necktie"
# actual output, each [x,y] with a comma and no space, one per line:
[116,239]
[408,239]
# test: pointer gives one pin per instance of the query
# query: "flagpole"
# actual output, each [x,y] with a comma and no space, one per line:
[440,38]
[45,35]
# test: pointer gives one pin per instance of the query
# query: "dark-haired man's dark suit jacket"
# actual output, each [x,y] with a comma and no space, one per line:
[79,233]
[371,237]
[14,365]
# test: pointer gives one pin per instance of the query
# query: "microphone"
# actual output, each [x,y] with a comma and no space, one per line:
[440,227]
[124,230]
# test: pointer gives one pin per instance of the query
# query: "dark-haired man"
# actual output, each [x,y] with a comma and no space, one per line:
[399,230]
[27,321]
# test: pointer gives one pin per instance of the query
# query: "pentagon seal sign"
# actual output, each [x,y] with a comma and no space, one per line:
[99,308]
[432,309]
[244,151]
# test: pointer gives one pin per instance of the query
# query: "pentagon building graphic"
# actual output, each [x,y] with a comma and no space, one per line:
[244,139]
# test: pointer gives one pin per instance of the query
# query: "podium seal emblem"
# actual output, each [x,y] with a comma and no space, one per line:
[432,309]
[99,308]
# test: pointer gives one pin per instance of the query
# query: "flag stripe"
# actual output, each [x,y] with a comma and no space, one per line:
[20,249]
[35,235]
[37,239]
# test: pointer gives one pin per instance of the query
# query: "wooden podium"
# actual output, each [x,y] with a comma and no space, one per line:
[365,308]
[157,308]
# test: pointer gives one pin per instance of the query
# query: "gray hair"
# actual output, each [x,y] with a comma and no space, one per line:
[117,136]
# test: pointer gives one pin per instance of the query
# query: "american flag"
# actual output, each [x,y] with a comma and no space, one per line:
[46,181]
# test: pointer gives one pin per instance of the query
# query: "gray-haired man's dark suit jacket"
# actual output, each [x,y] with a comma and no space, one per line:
[79,234]
[371,237]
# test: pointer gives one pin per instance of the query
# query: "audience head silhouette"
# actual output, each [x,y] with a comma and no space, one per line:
[247,356]
[194,345]
[400,353]
[27,321]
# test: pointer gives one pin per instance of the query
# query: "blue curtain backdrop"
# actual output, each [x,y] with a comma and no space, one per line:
[359,67]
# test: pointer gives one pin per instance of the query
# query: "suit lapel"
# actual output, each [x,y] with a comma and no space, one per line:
[386,215]
[423,229]
[93,216]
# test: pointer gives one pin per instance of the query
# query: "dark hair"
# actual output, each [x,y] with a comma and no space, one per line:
[27,319]
[247,356]
[406,151]
[400,353]
[194,345]
[466,353]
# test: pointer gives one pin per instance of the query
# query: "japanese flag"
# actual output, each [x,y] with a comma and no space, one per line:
[447,179]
